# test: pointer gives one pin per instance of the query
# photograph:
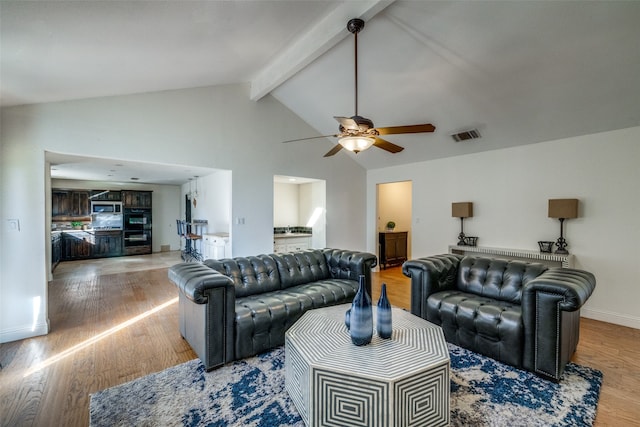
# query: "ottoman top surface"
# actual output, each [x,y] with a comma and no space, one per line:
[322,339]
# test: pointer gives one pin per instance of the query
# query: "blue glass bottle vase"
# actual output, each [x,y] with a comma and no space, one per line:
[383,321]
[361,316]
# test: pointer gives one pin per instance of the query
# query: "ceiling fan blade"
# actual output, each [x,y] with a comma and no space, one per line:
[347,122]
[312,137]
[395,130]
[387,146]
[334,150]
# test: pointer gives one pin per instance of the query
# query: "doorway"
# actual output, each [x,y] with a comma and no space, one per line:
[394,203]
[299,206]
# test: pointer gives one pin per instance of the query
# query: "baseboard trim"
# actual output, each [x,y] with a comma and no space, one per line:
[611,317]
[8,335]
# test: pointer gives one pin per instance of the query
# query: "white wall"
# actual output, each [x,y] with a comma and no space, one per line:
[510,189]
[313,196]
[286,205]
[215,127]
[213,202]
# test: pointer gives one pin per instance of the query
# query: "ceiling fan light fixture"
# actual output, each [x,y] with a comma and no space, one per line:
[356,143]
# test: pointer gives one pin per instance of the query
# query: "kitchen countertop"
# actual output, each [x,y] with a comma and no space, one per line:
[291,235]
[88,230]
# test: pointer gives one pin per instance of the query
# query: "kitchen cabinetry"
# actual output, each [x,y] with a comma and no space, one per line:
[105,196]
[136,199]
[60,202]
[107,244]
[56,250]
[77,245]
[392,248]
[291,243]
[80,203]
[70,203]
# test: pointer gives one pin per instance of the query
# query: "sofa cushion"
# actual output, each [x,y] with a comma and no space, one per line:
[262,319]
[484,325]
[301,267]
[496,278]
[251,275]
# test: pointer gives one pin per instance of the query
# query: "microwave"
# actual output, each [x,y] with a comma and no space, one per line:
[106,207]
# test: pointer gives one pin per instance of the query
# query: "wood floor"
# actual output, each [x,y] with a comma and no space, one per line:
[114,321]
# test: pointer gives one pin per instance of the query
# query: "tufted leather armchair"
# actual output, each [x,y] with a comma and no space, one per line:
[524,314]
[236,308]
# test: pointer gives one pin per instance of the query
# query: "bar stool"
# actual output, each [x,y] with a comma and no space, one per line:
[190,251]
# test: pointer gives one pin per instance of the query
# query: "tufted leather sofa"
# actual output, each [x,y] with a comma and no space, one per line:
[234,308]
[523,314]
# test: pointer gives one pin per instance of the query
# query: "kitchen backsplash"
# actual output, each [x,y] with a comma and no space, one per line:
[284,230]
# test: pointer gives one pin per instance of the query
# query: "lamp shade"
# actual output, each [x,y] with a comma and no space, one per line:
[462,209]
[563,208]
[356,143]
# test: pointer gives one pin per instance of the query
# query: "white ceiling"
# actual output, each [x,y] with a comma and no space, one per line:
[519,71]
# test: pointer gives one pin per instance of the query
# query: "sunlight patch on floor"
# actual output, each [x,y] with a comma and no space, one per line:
[84,344]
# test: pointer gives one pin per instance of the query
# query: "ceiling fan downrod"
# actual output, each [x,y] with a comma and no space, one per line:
[354,26]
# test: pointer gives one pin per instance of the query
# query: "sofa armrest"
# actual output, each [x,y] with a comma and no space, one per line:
[345,264]
[194,279]
[428,275]
[551,314]
[206,312]
[575,287]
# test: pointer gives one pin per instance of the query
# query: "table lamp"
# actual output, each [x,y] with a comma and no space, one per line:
[462,210]
[562,209]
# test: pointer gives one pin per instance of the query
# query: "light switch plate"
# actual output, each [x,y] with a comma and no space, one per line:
[13,225]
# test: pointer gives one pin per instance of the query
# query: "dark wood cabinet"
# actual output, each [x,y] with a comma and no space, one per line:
[136,199]
[60,202]
[77,245]
[56,250]
[80,203]
[70,203]
[107,244]
[393,248]
[106,196]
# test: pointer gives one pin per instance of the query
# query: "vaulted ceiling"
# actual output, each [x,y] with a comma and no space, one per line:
[519,72]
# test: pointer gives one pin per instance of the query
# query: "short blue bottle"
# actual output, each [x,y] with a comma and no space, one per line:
[383,321]
[361,316]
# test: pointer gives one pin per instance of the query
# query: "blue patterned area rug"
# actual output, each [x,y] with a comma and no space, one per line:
[251,392]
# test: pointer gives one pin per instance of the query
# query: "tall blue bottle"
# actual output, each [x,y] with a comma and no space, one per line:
[361,317]
[384,323]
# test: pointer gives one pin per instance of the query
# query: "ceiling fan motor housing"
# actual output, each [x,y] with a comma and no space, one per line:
[355,25]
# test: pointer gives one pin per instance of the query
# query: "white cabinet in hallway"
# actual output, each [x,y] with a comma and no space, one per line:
[291,243]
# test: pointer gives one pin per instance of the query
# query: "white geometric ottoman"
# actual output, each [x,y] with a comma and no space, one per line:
[403,381]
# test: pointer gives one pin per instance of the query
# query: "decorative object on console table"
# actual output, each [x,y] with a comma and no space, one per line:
[563,209]
[361,316]
[391,226]
[463,210]
[545,247]
[384,321]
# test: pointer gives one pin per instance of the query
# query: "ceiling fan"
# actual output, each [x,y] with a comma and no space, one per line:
[357,133]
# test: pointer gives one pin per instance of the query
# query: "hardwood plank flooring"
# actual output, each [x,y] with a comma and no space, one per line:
[88,299]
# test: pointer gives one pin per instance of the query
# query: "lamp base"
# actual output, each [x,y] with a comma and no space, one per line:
[562,246]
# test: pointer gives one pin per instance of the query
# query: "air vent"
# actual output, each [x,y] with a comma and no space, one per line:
[466,135]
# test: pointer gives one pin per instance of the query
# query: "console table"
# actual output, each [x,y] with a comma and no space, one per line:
[550,259]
